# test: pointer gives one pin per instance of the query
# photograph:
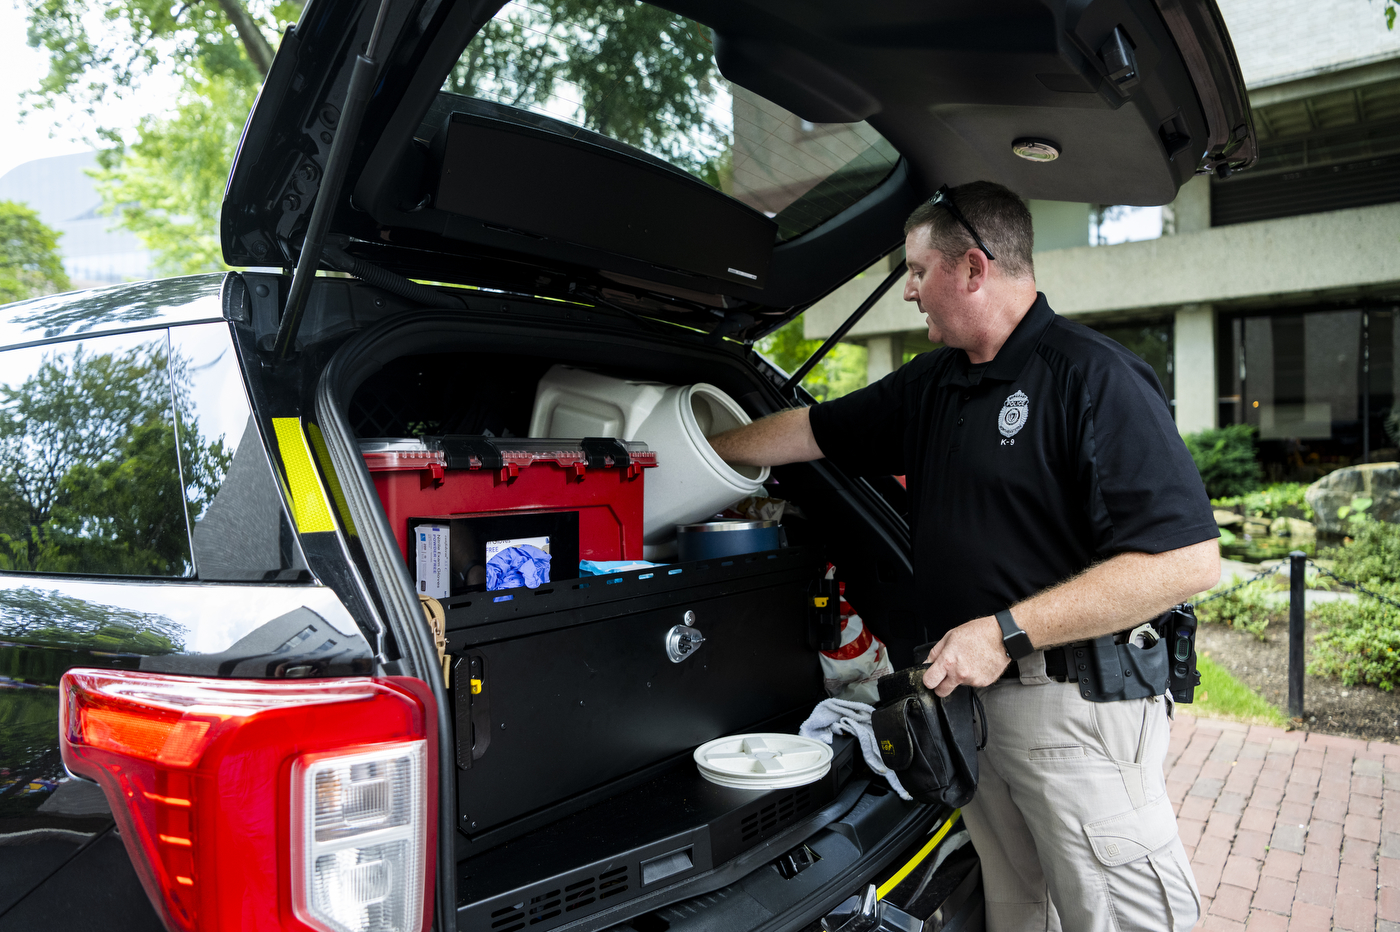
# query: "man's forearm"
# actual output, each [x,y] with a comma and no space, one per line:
[1116,594]
[785,437]
[1120,592]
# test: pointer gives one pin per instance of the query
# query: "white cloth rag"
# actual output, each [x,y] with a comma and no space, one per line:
[845,717]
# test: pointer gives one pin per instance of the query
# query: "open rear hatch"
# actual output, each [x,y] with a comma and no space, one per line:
[723,165]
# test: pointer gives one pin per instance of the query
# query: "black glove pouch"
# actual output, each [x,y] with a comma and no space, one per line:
[931,742]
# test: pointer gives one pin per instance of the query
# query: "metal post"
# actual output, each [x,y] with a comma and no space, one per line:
[1365,387]
[1297,564]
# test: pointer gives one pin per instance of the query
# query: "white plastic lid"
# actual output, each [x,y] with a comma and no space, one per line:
[763,761]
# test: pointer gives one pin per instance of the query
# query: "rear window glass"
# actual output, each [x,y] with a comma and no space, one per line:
[646,77]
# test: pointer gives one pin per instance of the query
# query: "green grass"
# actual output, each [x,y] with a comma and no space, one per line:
[1220,695]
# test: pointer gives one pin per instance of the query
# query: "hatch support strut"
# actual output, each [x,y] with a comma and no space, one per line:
[895,275]
[356,100]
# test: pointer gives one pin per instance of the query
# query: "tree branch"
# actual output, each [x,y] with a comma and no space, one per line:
[257,47]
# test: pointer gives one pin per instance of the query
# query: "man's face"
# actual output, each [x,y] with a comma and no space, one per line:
[932,287]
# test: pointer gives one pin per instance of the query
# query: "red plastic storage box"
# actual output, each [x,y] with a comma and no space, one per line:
[600,478]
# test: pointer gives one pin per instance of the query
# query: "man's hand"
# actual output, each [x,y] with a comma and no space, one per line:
[970,653]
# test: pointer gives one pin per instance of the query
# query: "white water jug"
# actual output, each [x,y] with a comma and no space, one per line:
[690,481]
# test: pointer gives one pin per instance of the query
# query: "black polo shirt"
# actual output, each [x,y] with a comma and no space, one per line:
[1058,453]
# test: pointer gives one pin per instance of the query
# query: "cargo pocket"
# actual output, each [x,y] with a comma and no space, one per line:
[1139,853]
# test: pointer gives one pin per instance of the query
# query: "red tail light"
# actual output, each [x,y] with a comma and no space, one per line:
[263,804]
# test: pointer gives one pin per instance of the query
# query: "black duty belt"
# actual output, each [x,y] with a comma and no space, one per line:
[1106,671]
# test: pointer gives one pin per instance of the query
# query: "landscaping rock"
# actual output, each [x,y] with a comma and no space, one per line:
[1256,527]
[1226,518]
[1379,482]
[1293,527]
[1300,529]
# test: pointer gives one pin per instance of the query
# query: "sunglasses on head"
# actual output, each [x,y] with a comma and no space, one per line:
[944,197]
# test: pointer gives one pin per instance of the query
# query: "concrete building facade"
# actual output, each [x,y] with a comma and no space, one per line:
[1271,297]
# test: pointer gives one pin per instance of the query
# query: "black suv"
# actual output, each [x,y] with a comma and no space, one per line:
[223,704]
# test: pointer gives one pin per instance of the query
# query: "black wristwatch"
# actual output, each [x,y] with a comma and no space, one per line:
[1017,642]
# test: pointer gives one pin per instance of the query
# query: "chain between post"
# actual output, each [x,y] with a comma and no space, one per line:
[1271,571]
[1357,587]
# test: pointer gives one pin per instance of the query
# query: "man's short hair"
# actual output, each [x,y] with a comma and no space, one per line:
[995,212]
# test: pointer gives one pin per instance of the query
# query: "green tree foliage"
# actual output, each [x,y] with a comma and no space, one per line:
[1226,460]
[631,71]
[840,373]
[634,71]
[166,184]
[29,263]
[89,478]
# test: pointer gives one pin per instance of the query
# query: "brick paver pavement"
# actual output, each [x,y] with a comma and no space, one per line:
[1287,831]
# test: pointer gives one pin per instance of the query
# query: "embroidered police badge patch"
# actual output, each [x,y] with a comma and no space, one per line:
[1013,414]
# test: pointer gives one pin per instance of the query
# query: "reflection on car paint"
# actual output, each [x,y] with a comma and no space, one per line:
[152,618]
[240,530]
[49,625]
[89,471]
[117,307]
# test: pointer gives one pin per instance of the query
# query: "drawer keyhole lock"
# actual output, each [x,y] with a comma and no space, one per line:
[682,641]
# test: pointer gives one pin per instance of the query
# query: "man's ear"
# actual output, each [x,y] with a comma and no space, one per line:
[979,269]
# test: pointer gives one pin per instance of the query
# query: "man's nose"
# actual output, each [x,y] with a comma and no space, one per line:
[910,292]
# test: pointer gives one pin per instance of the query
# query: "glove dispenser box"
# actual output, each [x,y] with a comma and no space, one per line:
[598,479]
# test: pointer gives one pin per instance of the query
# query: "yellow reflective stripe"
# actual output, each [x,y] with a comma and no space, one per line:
[323,455]
[917,859]
[311,510]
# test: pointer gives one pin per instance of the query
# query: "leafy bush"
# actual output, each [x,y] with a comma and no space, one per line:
[1249,609]
[1280,500]
[1225,458]
[1361,643]
[1373,556]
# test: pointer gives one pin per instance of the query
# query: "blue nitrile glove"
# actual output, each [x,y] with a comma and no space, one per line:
[526,565]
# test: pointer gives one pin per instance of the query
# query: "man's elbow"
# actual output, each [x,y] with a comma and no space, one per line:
[1203,566]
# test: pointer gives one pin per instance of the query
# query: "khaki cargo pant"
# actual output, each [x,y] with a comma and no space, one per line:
[1071,819]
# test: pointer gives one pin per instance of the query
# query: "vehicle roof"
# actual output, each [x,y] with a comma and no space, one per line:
[114,309]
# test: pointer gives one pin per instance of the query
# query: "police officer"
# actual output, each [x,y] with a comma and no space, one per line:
[1054,510]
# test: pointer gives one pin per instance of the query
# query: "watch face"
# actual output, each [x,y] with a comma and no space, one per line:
[1018,645]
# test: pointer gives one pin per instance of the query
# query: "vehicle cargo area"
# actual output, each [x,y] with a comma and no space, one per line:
[590,648]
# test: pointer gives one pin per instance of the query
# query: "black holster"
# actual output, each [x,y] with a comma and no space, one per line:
[1109,672]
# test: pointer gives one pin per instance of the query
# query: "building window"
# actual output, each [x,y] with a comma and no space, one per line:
[1318,385]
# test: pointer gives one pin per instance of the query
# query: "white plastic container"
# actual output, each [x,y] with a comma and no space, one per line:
[690,482]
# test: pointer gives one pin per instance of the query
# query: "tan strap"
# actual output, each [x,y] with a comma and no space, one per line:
[437,623]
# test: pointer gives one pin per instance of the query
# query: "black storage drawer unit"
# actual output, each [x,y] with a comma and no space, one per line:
[584,692]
